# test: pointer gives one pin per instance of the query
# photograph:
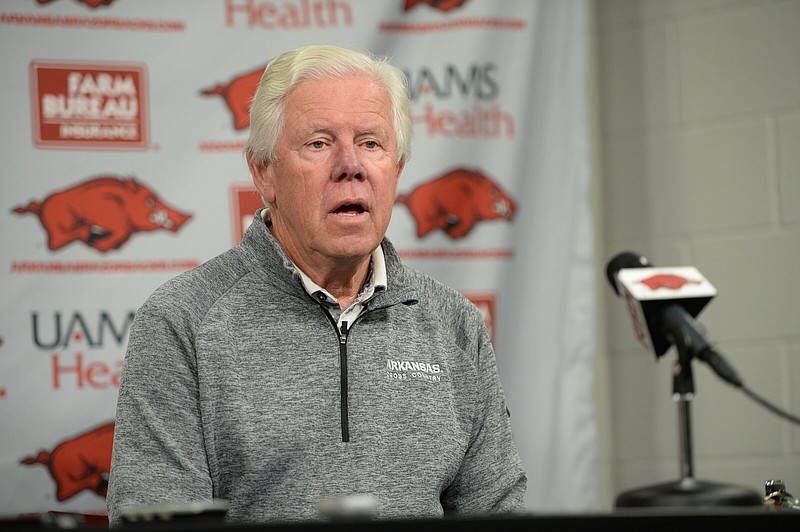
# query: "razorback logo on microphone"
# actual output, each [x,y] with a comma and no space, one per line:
[238,94]
[668,281]
[103,213]
[456,201]
[89,105]
[654,284]
[79,463]
[441,5]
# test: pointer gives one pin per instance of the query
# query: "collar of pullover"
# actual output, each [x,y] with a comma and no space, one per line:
[264,253]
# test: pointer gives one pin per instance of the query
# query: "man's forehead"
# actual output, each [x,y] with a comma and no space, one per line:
[328,104]
[318,91]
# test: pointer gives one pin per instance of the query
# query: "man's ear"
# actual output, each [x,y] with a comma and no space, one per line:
[400,167]
[264,180]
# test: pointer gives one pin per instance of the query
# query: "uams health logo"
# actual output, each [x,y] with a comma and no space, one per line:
[89,105]
[78,463]
[456,201]
[476,81]
[434,90]
[103,213]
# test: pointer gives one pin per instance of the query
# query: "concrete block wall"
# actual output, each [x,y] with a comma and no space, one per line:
[698,106]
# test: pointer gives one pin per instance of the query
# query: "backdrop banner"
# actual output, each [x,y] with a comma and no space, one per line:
[122,166]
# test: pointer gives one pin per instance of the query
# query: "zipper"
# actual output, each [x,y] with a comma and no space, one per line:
[344,409]
[343,401]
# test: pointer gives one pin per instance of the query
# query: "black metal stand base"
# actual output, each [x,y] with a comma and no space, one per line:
[688,492]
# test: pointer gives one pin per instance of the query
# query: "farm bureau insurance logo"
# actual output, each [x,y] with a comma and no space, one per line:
[89,105]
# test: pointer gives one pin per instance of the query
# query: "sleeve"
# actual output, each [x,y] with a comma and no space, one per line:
[491,478]
[158,454]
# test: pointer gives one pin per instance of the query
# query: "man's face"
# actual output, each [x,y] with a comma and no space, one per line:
[333,183]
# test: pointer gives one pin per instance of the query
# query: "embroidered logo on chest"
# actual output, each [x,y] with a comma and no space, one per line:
[406,370]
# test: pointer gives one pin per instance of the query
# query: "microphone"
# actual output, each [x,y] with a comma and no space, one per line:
[663,303]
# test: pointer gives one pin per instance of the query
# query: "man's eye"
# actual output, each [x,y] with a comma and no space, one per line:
[371,144]
[317,144]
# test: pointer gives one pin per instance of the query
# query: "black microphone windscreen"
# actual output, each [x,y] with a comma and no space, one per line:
[626,259]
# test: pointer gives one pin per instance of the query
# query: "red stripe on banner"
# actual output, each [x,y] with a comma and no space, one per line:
[484,22]
[212,146]
[102,23]
[103,266]
[457,254]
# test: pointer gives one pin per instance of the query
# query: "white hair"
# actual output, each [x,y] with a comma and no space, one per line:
[321,62]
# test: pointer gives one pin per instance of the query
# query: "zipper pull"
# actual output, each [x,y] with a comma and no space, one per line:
[343,333]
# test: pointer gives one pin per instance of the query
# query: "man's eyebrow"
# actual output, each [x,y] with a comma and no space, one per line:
[312,130]
[375,131]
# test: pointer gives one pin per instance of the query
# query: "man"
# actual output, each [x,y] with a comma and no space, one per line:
[307,364]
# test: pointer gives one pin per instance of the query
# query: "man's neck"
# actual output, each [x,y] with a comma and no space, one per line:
[344,282]
[342,278]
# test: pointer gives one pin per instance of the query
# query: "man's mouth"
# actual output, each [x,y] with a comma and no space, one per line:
[350,209]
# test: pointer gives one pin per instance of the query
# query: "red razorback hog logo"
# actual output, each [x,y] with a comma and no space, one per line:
[667,280]
[238,94]
[91,3]
[455,202]
[103,213]
[441,5]
[79,463]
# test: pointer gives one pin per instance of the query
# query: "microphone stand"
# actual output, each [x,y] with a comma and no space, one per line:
[687,491]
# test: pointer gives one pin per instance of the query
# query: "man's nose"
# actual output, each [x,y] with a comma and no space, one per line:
[347,163]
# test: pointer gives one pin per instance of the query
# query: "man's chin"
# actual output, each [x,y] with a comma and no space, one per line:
[350,247]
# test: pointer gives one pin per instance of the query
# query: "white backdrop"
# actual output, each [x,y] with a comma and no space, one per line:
[123,122]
